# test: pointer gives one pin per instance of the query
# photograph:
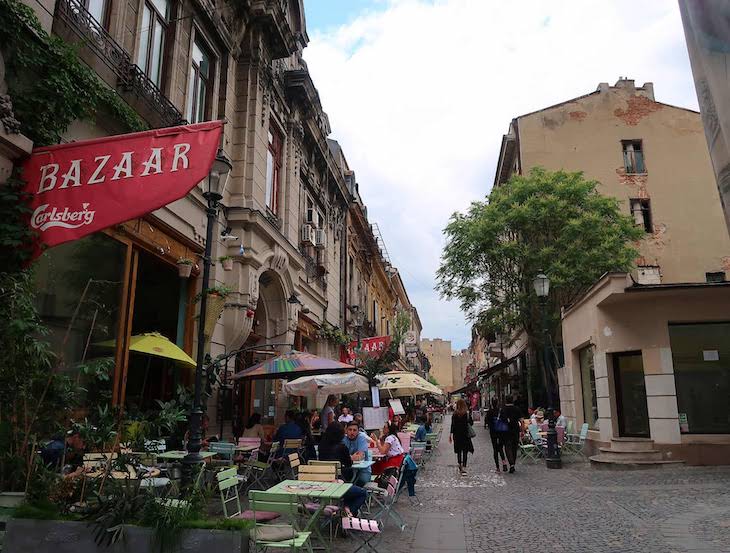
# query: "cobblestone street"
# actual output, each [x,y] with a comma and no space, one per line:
[576,509]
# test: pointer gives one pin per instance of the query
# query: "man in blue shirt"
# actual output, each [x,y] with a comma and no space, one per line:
[357,445]
[290,430]
[422,430]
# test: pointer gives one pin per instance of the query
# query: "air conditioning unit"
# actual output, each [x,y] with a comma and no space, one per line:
[320,238]
[307,235]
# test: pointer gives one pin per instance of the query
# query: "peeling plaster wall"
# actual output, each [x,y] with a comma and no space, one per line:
[689,235]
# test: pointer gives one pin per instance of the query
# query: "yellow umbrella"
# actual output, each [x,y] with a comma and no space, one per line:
[156,345]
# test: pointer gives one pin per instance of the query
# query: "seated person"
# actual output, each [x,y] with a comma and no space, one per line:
[357,443]
[560,419]
[70,452]
[422,430]
[314,421]
[358,419]
[390,446]
[254,429]
[290,430]
[346,416]
[331,448]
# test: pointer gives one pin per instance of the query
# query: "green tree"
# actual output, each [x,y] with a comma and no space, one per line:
[556,223]
[371,366]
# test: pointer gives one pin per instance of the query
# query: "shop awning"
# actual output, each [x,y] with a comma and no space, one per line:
[501,365]
[292,365]
[471,387]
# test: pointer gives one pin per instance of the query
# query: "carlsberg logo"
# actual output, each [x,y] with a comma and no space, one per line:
[43,219]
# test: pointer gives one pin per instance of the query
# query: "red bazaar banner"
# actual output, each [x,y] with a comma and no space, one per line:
[370,346]
[86,186]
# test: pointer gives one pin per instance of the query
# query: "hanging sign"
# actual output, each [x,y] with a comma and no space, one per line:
[368,346]
[86,186]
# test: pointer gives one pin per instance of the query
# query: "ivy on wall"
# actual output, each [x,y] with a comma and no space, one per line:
[49,85]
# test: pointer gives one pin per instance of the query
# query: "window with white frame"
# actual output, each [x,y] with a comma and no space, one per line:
[155,17]
[199,83]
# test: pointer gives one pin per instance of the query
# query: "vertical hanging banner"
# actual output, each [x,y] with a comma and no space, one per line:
[86,186]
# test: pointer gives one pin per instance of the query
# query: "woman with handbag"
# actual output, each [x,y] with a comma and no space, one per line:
[497,427]
[462,431]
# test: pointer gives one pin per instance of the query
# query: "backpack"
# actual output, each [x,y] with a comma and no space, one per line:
[499,424]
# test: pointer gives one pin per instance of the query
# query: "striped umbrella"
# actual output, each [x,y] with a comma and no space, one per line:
[292,365]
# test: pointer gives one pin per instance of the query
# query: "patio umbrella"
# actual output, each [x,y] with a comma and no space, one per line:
[343,383]
[293,364]
[155,345]
[401,383]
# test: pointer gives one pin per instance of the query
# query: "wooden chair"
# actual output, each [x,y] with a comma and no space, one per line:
[317,473]
[366,530]
[267,536]
[294,464]
[249,442]
[336,464]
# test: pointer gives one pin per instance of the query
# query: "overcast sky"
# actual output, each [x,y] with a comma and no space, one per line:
[419,94]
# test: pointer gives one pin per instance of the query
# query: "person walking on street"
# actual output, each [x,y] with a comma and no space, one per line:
[461,434]
[511,415]
[497,426]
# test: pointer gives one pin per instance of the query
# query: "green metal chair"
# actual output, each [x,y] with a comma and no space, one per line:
[278,536]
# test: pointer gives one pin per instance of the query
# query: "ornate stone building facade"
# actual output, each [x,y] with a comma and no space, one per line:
[291,218]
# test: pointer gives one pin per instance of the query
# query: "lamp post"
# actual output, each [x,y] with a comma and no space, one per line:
[213,194]
[541,283]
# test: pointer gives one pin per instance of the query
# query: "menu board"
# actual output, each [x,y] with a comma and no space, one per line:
[374,418]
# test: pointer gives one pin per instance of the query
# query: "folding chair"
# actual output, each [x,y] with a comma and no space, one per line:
[294,464]
[320,473]
[224,451]
[231,502]
[418,452]
[574,443]
[336,464]
[369,531]
[257,472]
[267,536]
[405,441]
[387,505]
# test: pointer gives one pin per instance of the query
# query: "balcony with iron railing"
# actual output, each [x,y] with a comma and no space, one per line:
[316,272]
[113,64]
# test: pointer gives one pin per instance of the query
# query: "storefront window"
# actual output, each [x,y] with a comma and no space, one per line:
[79,286]
[588,385]
[701,356]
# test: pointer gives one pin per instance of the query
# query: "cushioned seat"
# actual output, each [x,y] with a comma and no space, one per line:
[275,532]
[329,510]
[260,516]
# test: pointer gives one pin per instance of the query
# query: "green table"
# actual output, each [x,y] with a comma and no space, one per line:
[180,455]
[323,491]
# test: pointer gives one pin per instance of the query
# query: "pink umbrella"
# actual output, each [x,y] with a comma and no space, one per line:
[293,364]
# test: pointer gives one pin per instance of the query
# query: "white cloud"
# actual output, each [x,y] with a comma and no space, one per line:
[420,93]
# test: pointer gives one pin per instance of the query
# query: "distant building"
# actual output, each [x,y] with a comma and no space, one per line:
[647,354]
[438,353]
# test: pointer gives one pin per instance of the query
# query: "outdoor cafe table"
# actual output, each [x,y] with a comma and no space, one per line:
[324,492]
[360,465]
[180,455]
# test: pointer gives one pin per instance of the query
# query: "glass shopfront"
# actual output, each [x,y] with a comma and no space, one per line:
[95,293]
[588,386]
[701,357]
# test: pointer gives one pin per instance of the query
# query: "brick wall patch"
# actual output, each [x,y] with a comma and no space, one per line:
[638,108]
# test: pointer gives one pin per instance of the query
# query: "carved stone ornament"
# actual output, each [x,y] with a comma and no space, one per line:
[280,260]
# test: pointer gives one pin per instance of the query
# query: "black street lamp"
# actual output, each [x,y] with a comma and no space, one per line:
[541,283]
[213,194]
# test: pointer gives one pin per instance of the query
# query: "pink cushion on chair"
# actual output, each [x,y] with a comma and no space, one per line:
[261,516]
[329,510]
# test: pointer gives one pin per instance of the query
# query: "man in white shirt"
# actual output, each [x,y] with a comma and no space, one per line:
[346,416]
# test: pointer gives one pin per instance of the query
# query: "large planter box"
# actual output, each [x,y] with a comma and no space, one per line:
[57,536]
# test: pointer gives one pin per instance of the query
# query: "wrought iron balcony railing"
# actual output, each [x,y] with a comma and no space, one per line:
[130,78]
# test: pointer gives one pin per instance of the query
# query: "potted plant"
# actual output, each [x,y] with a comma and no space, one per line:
[227,262]
[216,302]
[184,267]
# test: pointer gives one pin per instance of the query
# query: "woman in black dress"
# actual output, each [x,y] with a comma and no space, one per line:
[461,423]
[494,419]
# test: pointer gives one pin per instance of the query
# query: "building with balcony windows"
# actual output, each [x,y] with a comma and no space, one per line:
[286,217]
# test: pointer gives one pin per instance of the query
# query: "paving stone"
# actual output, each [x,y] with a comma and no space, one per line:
[572,510]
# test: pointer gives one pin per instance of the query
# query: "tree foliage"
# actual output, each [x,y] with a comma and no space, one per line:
[556,223]
[371,366]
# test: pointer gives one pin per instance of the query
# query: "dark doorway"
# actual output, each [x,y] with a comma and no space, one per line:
[633,415]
